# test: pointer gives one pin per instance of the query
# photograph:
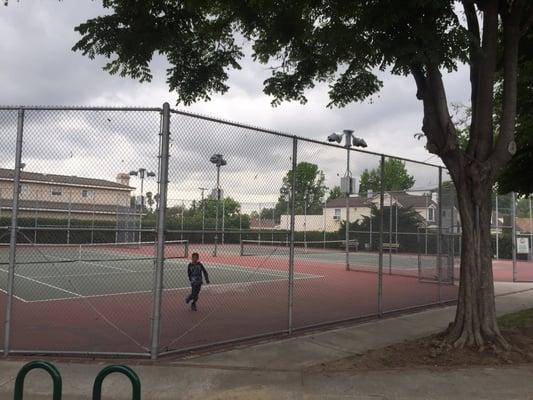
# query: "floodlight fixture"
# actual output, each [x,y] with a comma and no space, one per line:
[335,137]
[359,142]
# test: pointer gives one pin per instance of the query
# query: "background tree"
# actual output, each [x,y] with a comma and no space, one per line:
[310,189]
[407,223]
[396,178]
[150,200]
[335,193]
[346,44]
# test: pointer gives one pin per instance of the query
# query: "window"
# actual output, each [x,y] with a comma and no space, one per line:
[23,188]
[56,191]
[87,194]
[337,214]
[431,214]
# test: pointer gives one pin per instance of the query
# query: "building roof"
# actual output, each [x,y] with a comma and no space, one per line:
[256,223]
[63,207]
[69,180]
[404,199]
[409,200]
[523,225]
[355,201]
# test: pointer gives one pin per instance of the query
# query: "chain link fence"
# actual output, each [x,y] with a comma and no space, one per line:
[101,209]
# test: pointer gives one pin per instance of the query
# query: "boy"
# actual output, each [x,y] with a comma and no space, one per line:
[195,269]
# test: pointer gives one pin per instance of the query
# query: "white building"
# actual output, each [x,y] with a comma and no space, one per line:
[334,211]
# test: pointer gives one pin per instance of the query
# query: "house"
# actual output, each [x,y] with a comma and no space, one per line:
[334,211]
[524,225]
[53,196]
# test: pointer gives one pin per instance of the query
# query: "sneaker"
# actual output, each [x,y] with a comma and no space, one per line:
[193,307]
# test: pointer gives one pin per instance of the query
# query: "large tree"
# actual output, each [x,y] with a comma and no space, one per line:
[395,178]
[309,190]
[346,44]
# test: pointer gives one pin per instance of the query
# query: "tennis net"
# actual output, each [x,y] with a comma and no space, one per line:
[31,253]
[265,247]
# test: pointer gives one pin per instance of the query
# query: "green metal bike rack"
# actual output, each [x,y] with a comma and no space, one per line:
[122,369]
[52,371]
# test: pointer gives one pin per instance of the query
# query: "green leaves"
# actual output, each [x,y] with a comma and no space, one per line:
[396,178]
[305,41]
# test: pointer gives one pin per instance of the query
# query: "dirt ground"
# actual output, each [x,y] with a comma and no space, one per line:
[428,352]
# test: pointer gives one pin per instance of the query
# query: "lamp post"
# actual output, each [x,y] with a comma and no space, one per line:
[142,173]
[202,189]
[219,161]
[305,219]
[349,186]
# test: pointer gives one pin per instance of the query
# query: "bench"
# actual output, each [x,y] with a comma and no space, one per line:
[352,244]
[391,246]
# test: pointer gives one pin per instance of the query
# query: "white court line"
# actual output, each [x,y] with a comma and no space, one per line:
[172,289]
[95,263]
[264,271]
[94,274]
[45,284]
[15,296]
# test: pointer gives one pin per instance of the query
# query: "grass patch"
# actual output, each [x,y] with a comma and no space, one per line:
[519,320]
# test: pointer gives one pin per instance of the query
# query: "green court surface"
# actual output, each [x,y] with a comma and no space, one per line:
[77,279]
[362,258]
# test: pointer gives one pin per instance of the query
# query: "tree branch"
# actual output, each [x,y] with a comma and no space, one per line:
[474,55]
[504,148]
[484,67]
[420,79]
[527,23]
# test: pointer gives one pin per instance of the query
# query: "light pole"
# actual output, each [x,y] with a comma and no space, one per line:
[286,193]
[347,182]
[219,161]
[202,189]
[142,173]
[305,219]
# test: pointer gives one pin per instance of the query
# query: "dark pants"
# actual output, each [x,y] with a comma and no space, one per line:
[196,287]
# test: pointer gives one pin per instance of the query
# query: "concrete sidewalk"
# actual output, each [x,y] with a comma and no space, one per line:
[277,370]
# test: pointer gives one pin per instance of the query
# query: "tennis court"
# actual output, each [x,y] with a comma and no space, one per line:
[60,272]
[99,298]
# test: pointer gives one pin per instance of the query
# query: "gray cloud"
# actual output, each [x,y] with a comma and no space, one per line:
[38,67]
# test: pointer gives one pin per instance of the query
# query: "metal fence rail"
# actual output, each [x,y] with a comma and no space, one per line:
[148,186]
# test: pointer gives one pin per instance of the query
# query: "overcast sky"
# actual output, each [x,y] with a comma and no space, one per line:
[37,67]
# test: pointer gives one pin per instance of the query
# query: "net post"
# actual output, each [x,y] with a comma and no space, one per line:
[381,217]
[161,228]
[291,239]
[13,237]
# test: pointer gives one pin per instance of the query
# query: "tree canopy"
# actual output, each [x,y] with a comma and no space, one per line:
[310,190]
[395,176]
[517,175]
[346,44]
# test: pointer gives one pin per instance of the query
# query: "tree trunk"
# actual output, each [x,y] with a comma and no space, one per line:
[475,319]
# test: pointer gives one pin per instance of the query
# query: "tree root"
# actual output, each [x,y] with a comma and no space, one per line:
[476,341]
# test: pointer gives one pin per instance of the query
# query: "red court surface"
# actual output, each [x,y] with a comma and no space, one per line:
[120,323]
[503,271]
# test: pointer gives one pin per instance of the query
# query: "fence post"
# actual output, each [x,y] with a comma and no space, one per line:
[497,230]
[439,239]
[291,239]
[381,217]
[390,232]
[14,228]
[121,369]
[513,230]
[161,229]
[52,371]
